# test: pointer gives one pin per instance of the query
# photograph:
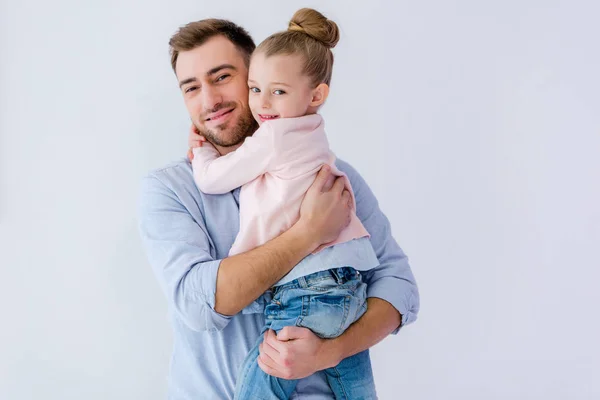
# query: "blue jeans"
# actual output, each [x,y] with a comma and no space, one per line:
[326,302]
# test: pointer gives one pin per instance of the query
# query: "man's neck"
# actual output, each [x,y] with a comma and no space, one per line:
[226,150]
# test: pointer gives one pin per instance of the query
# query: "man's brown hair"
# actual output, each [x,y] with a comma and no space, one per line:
[195,34]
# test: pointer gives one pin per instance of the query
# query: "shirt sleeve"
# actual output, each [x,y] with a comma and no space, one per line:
[393,279]
[179,251]
[215,174]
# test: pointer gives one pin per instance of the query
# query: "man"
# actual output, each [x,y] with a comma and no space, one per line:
[187,235]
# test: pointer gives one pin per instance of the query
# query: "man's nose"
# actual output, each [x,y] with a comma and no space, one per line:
[211,97]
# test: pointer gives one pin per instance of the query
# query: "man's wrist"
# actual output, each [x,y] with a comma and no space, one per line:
[333,352]
[305,235]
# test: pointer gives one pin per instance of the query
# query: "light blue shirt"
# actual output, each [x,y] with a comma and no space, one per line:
[187,233]
[356,253]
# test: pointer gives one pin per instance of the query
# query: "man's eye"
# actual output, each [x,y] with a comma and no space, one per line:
[191,89]
[255,90]
[278,92]
[222,77]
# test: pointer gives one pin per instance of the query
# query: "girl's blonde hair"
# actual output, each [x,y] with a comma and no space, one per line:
[311,35]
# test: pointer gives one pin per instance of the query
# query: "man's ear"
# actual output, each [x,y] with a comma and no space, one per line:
[319,95]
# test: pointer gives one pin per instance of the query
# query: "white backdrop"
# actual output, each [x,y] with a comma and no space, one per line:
[476,124]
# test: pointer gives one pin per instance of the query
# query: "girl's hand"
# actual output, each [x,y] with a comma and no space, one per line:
[195,139]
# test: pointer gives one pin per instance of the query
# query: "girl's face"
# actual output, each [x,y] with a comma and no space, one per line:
[278,89]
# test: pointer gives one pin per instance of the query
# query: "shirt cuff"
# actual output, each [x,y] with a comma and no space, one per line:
[398,293]
[214,320]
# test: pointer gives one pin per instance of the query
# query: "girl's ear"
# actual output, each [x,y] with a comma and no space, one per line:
[319,95]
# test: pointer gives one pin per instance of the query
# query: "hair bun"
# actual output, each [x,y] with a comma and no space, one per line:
[315,25]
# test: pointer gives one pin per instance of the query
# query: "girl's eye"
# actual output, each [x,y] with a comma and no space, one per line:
[255,90]
[278,92]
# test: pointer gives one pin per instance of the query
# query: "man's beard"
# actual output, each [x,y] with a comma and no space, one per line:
[244,127]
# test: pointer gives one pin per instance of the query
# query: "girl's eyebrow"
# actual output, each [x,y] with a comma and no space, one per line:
[280,83]
[272,83]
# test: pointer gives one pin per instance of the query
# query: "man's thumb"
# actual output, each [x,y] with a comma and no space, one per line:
[322,178]
[290,333]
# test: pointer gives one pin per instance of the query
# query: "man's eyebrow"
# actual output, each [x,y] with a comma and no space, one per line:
[216,69]
[210,72]
[186,81]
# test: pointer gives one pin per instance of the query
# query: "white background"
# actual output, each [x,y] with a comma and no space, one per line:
[476,124]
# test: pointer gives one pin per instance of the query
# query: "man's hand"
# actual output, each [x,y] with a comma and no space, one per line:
[195,139]
[325,210]
[296,353]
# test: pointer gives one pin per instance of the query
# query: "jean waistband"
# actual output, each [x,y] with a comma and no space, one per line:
[341,275]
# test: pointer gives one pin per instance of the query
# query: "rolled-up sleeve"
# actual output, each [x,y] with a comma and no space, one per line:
[178,249]
[393,280]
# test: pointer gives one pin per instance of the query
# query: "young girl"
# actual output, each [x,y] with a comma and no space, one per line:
[289,79]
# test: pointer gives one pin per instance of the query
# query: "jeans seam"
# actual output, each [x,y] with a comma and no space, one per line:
[345,317]
[339,379]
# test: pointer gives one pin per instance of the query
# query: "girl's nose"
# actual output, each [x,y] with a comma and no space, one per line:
[265,101]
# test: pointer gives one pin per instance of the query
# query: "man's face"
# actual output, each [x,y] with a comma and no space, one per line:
[213,80]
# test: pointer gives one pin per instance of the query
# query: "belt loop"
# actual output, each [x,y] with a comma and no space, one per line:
[302,282]
[334,275]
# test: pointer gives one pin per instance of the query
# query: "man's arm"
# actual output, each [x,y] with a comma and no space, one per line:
[179,251]
[323,215]
[393,301]
[203,291]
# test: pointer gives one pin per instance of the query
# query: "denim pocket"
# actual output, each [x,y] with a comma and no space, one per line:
[330,313]
[326,314]
[322,302]
[283,310]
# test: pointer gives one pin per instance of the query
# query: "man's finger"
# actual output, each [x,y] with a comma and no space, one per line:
[291,333]
[268,369]
[339,185]
[271,338]
[321,178]
[347,198]
[268,364]
[266,358]
[268,350]
[190,154]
